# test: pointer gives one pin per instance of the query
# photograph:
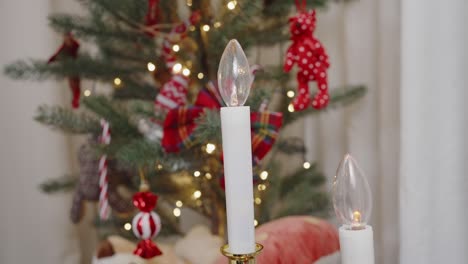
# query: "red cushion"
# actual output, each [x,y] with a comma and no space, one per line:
[295,240]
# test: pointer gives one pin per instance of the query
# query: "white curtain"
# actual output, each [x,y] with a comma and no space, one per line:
[409,133]
[434,127]
[363,40]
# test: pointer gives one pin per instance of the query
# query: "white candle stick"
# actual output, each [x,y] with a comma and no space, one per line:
[352,201]
[234,80]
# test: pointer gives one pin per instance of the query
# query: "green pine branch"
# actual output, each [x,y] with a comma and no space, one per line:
[67,120]
[338,98]
[63,184]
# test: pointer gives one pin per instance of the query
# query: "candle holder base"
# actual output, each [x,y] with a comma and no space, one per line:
[241,258]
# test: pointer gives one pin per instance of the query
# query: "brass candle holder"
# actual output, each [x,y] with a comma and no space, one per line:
[241,258]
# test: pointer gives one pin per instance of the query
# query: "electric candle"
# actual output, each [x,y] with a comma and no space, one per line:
[234,81]
[352,201]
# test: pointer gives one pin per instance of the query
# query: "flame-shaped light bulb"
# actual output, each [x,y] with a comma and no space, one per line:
[234,76]
[352,197]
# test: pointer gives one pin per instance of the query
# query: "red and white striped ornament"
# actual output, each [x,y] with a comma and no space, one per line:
[174,93]
[146,225]
[104,208]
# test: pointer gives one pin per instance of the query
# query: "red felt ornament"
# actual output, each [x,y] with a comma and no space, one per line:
[310,56]
[69,49]
[146,224]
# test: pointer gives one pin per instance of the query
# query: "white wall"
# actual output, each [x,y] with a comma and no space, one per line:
[35,227]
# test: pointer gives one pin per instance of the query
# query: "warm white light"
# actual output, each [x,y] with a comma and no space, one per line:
[177,68]
[255,222]
[128,226]
[261,187]
[234,76]
[290,94]
[208,176]
[117,81]
[352,198]
[176,48]
[210,148]
[151,67]
[197,194]
[176,212]
[200,75]
[196,174]
[217,24]
[159,167]
[186,72]
[258,200]
[231,5]
[87,92]
[189,2]
[306,165]
[291,108]
[179,203]
[192,28]
[264,175]
[206,28]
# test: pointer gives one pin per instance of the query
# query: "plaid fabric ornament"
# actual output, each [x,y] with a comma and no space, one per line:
[180,125]
[265,128]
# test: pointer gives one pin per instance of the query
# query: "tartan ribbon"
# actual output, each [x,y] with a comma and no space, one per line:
[180,123]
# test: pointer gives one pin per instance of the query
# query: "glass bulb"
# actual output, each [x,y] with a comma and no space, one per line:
[352,198]
[234,77]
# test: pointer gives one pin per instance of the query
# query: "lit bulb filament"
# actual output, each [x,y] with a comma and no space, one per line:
[357,224]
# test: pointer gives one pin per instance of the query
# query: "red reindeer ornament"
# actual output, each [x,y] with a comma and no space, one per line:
[310,56]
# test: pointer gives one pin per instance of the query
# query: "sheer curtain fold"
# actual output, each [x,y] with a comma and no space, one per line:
[433,180]
[363,39]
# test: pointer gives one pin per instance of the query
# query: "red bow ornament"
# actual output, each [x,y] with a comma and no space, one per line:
[180,124]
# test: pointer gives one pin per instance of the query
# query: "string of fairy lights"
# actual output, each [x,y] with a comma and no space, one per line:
[179,68]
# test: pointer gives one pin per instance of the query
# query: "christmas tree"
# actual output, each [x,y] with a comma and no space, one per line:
[150,107]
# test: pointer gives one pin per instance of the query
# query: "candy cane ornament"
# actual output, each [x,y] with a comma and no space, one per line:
[104,208]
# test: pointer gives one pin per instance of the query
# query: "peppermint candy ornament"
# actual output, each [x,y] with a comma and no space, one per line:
[146,224]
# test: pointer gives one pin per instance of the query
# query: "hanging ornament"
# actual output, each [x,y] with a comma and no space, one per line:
[146,224]
[174,92]
[309,54]
[69,49]
[180,124]
[152,15]
[104,209]
[87,188]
